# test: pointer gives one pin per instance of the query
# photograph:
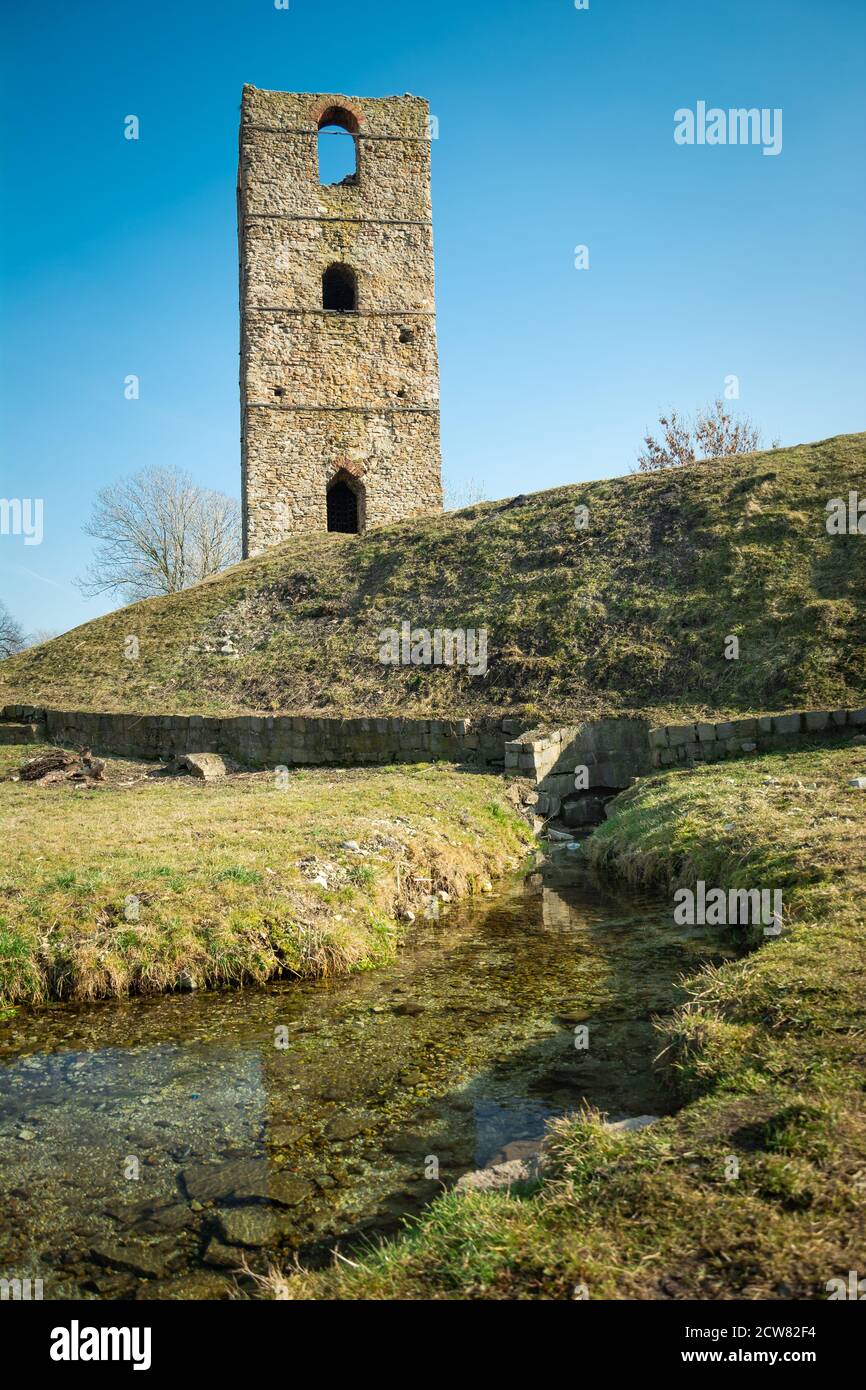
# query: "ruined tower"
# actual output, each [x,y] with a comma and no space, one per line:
[339,372]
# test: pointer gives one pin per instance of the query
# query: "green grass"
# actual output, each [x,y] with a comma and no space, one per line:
[125,889]
[630,614]
[766,1058]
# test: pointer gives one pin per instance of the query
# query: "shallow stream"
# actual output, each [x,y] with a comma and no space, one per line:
[149,1146]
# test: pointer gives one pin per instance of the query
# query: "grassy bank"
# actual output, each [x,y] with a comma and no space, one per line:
[138,884]
[767,1059]
[632,612]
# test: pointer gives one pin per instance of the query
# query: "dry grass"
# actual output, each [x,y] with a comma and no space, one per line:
[767,1059]
[222,876]
[630,614]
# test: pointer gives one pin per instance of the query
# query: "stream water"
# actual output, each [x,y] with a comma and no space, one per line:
[149,1146]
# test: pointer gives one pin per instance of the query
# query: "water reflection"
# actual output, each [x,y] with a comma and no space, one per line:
[146,1147]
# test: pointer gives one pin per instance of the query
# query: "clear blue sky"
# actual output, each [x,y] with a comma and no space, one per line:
[556,129]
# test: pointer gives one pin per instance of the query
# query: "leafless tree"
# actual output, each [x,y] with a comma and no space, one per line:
[463,494]
[159,532]
[11,636]
[716,433]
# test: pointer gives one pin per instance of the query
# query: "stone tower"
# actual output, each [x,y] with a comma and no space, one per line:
[339,373]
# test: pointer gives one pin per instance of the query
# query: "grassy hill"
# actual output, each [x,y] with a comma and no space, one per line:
[631,613]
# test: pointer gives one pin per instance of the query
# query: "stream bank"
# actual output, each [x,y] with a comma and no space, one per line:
[151,1147]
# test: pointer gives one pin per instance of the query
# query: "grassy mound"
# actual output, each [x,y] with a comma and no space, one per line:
[767,1058]
[632,612]
[139,884]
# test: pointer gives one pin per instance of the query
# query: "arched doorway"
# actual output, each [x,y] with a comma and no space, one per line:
[343,514]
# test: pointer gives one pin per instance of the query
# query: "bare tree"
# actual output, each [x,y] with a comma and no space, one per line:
[11,636]
[716,433]
[464,494]
[159,532]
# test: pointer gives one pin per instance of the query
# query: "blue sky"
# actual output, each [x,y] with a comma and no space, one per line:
[555,129]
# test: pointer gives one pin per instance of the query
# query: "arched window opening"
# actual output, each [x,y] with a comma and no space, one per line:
[338,147]
[340,289]
[343,509]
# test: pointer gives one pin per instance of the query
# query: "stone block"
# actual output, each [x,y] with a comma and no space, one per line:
[616,772]
[209,767]
[817,720]
[678,734]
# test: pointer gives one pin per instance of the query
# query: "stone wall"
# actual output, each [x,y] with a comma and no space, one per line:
[615,751]
[279,740]
[612,750]
[677,743]
[325,394]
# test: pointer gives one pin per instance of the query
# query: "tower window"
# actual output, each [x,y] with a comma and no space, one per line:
[337,147]
[340,289]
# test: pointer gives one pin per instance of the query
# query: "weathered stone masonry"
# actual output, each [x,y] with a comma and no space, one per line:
[615,751]
[335,396]
[273,740]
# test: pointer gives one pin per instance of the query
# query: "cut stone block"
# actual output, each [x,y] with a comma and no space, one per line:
[817,720]
[20,733]
[208,766]
[680,733]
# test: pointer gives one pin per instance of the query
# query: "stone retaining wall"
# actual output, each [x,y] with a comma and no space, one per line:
[615,751]
[278,740]
[676,743]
